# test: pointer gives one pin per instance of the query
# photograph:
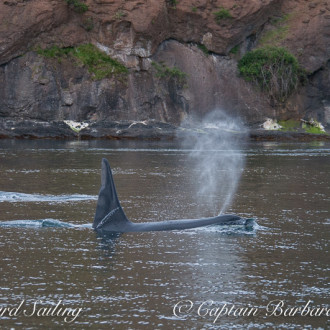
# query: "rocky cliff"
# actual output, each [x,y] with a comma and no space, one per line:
[181,57]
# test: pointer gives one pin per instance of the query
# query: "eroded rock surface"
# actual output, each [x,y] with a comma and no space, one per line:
[136,33]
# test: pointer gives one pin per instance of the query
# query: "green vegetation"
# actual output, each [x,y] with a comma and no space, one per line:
[88,24]
[274,37]
[77,6]
[119,14]
[204,49]
[173,3]
[98,63]
[273,69]
[174,73]
[310,126]
[277,33]
[222,14]
[55,52]
[314,130]
[280,20]
[194,9]
[290,125]
[234,50]
[313,127]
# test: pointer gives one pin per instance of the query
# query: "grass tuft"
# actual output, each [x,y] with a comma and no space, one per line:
[163,71]
[203,48]
[77,6]
[222,14]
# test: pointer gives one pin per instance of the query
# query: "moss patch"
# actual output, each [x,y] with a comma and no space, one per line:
[290,125]
[313,129]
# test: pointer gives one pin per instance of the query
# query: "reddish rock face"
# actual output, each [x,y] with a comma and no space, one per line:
[133,28]
[136,32]
[308,34]
[137,28]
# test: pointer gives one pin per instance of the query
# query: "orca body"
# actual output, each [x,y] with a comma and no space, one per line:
[110,217]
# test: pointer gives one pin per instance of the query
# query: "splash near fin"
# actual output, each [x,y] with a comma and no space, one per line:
[109,212]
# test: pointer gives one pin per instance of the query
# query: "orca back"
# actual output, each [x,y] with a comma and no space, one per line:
[109,214]
[110,217]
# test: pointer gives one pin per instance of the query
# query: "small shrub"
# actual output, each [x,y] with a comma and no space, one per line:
[77,6]
[164,71]
[273,69]
[222,14]
[194,9]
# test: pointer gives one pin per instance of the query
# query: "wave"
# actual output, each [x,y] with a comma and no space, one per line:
[13,197]
[247,227]
[42,223]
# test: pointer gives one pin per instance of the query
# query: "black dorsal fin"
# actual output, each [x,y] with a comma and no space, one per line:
[109,214]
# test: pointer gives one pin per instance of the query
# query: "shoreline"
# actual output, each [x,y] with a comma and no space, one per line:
[127,130]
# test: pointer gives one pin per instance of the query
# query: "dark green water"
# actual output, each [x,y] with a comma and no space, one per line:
[136,280]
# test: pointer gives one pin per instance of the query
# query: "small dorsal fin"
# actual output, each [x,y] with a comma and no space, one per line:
[109,213]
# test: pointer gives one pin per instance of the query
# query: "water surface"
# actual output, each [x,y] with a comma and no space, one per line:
[135,280]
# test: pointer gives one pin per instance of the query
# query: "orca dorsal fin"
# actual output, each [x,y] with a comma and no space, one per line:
[109,214]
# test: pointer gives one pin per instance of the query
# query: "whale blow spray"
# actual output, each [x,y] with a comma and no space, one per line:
[216,158]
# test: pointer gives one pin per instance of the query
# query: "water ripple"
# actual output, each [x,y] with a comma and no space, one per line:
[13,197]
